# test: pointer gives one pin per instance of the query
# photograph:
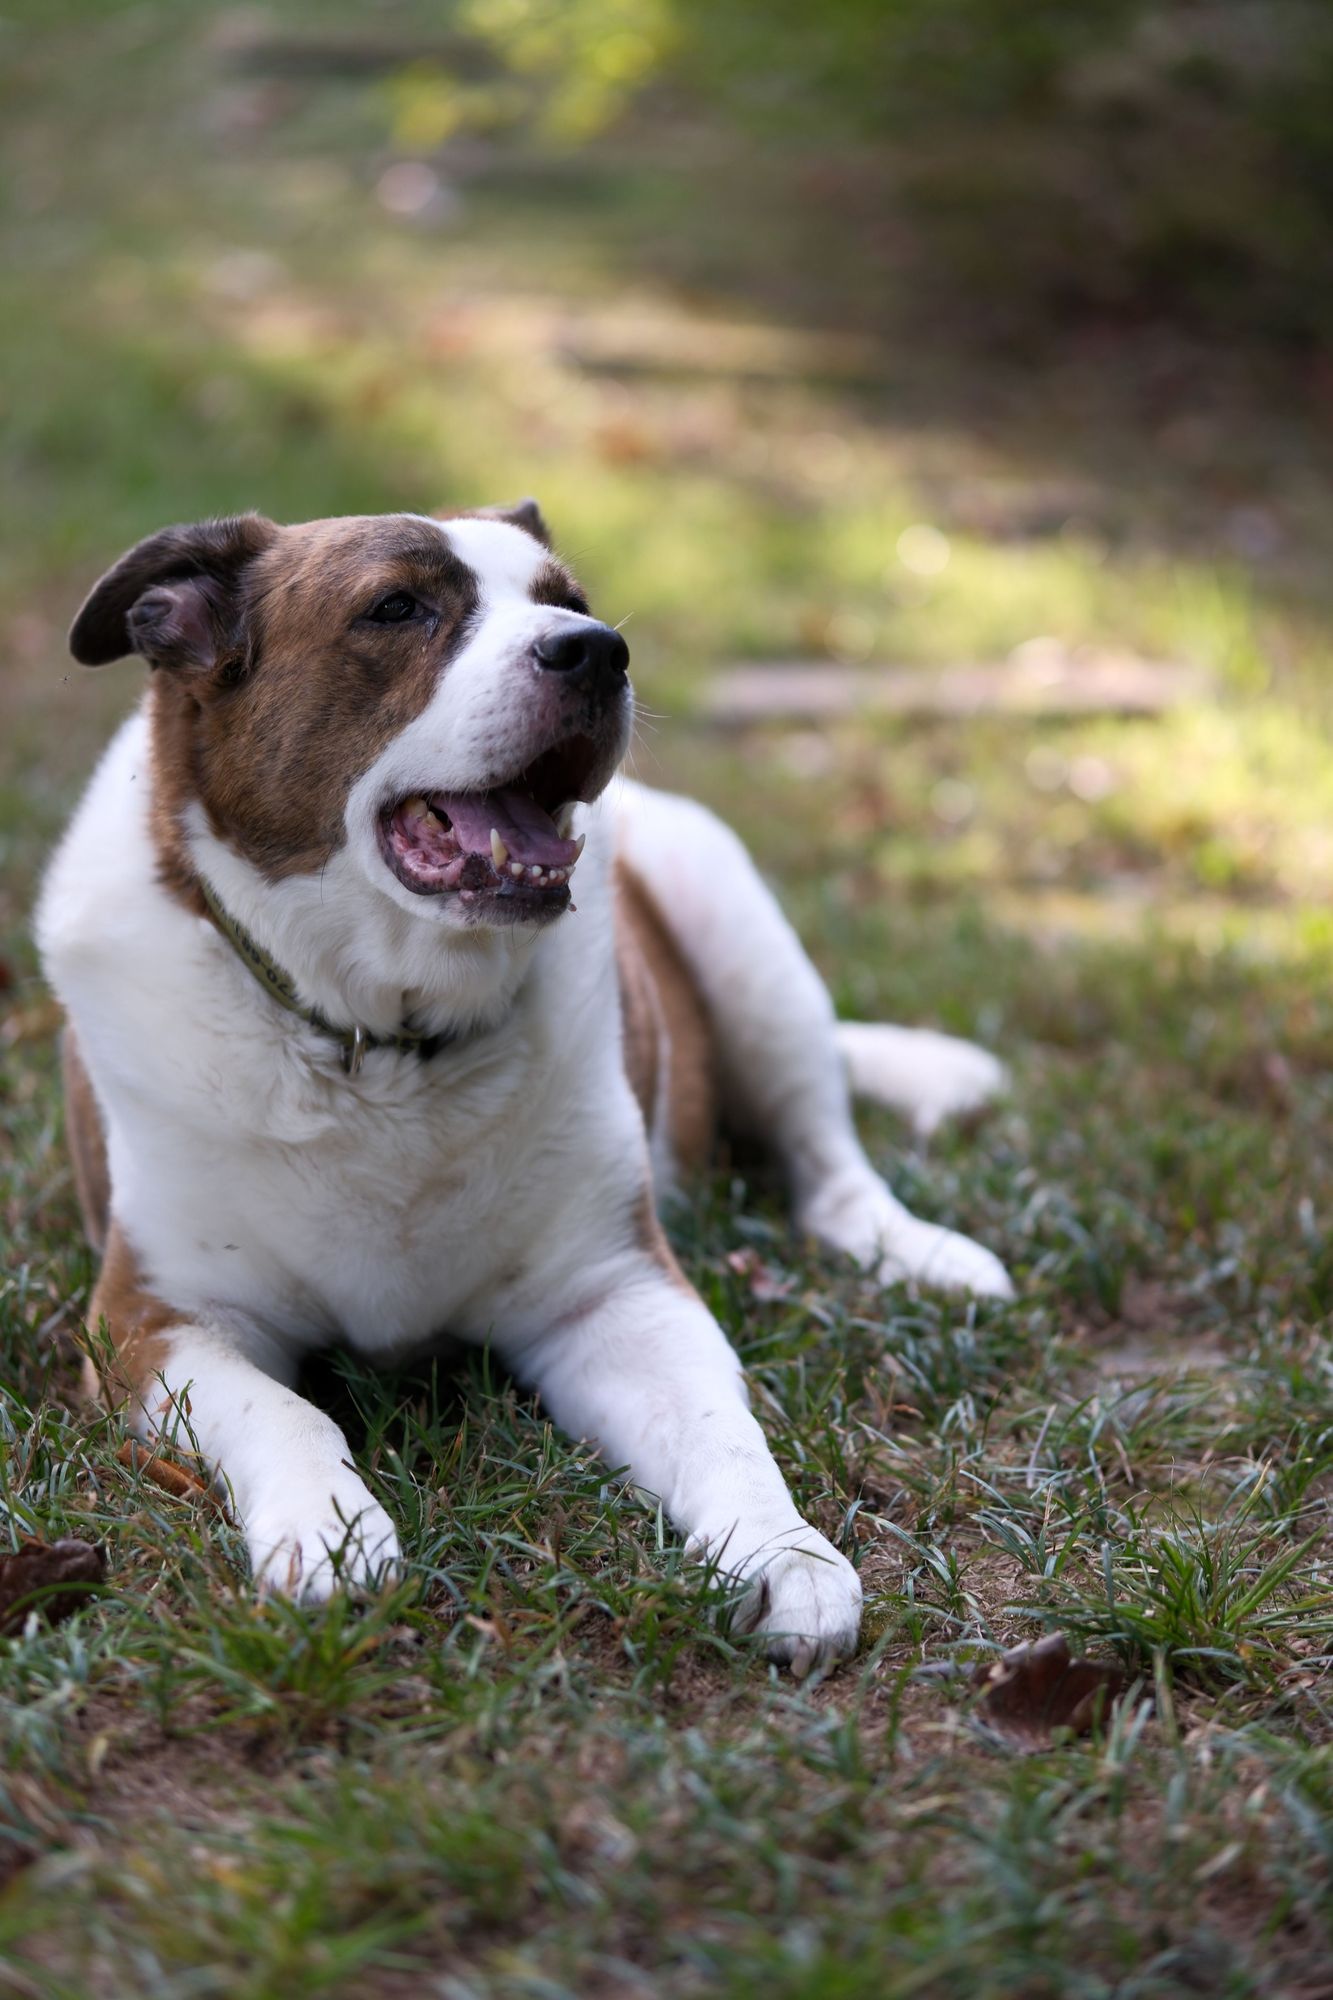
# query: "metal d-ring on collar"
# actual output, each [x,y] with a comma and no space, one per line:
[355,1041]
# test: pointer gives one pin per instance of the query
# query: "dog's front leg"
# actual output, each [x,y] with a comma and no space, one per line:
[310,1524]
[648,1376]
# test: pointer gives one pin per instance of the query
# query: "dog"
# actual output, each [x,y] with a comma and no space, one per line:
[344,1062]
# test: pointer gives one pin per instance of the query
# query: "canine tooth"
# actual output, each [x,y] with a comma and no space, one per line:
[516,868]
[416,804]
[499,852]
[579,846]
[564,819]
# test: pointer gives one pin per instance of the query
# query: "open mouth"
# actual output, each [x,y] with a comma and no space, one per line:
[509,847]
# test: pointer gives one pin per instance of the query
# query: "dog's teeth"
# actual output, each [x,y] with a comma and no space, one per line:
[416,804]
[516,869]
[579,846]
[564,819]
[499,852]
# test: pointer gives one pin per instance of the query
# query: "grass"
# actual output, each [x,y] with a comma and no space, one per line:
[542,1766]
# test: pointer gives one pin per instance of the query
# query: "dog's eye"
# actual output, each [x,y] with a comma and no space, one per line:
[395,609]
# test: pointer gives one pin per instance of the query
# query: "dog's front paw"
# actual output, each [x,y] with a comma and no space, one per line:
[320,1535]
[926,1254]
[802,1598]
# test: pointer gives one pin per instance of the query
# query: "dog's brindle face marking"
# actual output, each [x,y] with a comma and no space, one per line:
[290,658]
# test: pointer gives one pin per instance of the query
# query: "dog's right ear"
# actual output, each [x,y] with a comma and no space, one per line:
[173,597]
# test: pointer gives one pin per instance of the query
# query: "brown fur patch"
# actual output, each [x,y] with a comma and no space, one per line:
[86,1137]
[137,1321]
[652,1239]
[271,743]
[666,1026]
[553,584]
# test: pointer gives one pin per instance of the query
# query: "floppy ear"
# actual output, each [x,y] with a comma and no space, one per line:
[525,514]
[171,597]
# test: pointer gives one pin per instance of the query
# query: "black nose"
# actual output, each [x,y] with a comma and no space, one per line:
[592,653]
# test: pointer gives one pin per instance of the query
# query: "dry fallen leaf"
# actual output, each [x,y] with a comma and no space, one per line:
[167,1473]
[1032,1691]
[52,1578]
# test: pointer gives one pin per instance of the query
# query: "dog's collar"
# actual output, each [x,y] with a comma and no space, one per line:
[355,1041]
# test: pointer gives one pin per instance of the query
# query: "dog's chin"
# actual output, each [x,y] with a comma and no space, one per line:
[497,857]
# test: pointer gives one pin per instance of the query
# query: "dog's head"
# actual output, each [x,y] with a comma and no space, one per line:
[431,695]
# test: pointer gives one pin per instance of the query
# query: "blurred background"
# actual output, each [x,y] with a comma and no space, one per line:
[941,389]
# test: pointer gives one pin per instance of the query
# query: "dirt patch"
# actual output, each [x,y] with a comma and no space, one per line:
[1052,681]
[1157,1331]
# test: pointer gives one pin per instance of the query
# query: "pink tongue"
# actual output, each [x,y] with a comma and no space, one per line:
[528,832]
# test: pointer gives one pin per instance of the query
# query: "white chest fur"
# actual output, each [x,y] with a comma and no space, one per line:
[480,1187]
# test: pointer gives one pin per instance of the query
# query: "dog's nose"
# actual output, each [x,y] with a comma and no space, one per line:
[591,653]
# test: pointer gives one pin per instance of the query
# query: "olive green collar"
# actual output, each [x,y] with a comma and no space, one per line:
[354,1042]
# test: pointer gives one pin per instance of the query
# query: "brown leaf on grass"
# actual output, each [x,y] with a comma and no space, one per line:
[1032,1691]
[167,1473]
[53,1578]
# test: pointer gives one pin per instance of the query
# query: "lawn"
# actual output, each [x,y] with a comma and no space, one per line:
[247,261]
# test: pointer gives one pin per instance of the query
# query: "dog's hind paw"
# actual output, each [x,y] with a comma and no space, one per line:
[925,1075]
[929,1255]
[857,1215]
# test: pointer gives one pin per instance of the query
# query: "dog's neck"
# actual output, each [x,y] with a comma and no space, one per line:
[354,955]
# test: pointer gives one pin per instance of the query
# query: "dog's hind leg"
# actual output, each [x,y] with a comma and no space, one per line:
[781,1061]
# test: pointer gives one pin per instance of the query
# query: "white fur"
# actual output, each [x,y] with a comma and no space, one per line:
[780,1046]
[496,1191]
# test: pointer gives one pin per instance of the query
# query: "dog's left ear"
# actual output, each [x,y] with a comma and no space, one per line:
[524,514]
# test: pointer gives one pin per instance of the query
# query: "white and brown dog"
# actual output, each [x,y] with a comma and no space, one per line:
[343,1064]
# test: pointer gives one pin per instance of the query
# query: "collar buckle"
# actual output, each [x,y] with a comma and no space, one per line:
[354,1052]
